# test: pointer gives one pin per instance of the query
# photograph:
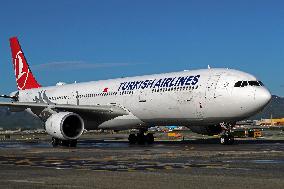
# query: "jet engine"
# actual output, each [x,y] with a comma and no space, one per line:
[65,125]
[206,130]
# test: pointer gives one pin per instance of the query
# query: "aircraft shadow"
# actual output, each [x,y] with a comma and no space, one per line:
[195,141]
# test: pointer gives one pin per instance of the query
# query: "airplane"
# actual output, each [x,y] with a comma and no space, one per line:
[207,101]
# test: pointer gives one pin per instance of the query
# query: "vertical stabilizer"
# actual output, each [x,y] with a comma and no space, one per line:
[24,76]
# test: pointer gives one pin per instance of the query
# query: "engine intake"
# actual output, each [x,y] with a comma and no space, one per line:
[65,125]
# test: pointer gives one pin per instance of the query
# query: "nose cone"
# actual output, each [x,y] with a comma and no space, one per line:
[263,97]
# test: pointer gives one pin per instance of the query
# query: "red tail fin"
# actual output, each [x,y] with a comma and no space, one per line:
[24,76]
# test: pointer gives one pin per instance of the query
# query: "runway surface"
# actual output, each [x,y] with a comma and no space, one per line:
[116,164]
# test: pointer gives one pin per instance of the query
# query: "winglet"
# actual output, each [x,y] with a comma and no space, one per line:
[24,76]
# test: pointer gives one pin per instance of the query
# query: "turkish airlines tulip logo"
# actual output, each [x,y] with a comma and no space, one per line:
[21,70]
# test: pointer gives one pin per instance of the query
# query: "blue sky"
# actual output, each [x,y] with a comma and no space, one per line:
[70,40]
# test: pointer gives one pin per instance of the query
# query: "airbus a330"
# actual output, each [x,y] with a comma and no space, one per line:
[207,101]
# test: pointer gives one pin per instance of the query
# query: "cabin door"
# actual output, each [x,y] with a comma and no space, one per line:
[142,96]
[75,98]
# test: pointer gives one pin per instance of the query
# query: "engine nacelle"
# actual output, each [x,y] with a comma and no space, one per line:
[206,130]
[65,125]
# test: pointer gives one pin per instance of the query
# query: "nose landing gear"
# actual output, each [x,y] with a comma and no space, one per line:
[227,138]
[141,138]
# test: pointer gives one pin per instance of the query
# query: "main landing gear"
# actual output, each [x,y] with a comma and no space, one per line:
[227,138]
[67,143]
[141,138]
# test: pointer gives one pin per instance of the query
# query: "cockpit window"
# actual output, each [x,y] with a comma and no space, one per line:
[238,84]
[261,84]
[248,83]
[244,83]
[253,83]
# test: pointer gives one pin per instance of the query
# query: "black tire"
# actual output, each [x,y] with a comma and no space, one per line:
[227,139]
[141,139]
[231,140]
[132,139]
[150,138]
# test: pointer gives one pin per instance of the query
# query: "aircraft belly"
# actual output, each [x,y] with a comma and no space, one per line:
[122,123]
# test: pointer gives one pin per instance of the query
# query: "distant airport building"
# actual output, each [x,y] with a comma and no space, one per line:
[272,122]
[245,123]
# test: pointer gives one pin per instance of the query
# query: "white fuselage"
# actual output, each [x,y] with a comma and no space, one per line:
[199,97]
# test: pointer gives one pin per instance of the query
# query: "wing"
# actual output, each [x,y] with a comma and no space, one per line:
[103,112]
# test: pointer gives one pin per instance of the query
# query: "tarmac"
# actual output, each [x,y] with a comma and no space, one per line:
[98,163]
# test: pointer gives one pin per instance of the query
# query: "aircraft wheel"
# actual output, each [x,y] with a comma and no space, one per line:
[231,140]
[227,139]
[141,139]
[150,138]
[132,139]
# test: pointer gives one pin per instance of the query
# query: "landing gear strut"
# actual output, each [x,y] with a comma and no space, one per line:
[67,143]
[227,138]
[55,142]
[141,138]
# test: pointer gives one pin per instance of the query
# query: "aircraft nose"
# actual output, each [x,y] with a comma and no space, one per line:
[263,97]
